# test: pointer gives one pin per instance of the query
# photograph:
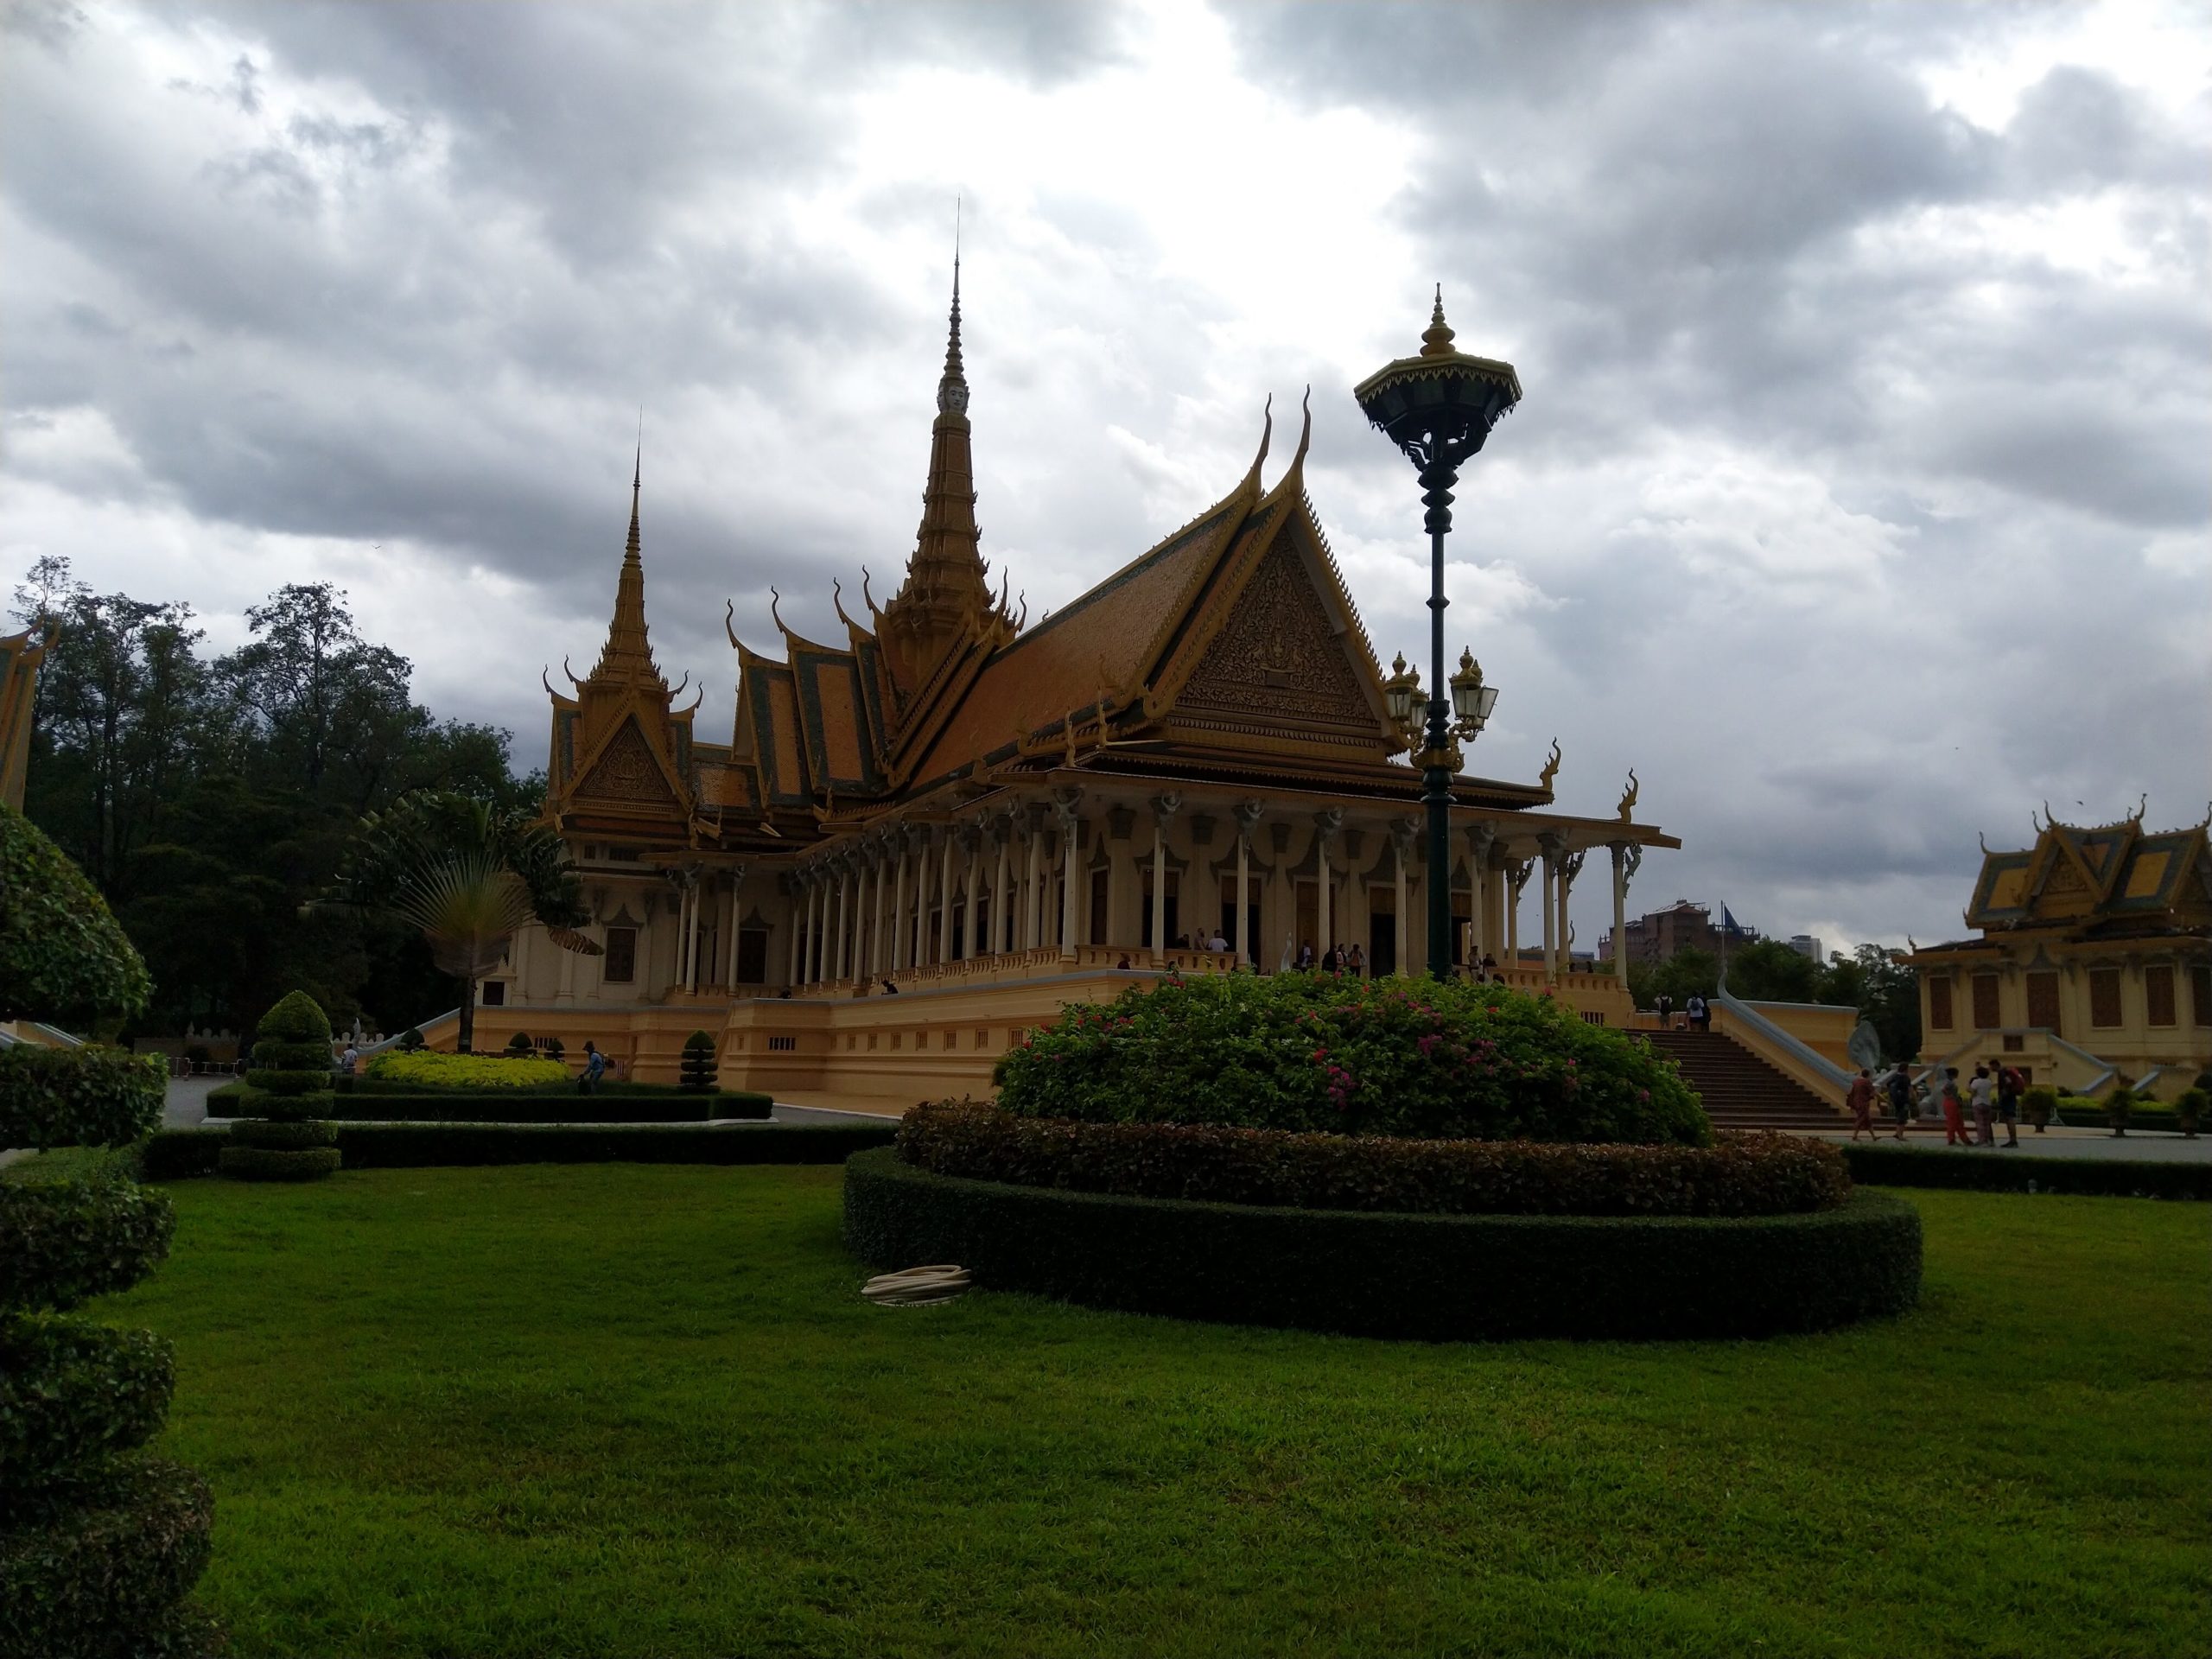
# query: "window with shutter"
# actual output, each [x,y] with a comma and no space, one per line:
[1939,1003]
[2043,1001]
[1984,1002]
[2104,997]
[2158,992]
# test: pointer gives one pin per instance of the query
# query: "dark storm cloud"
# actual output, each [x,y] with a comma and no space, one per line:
[1836,446]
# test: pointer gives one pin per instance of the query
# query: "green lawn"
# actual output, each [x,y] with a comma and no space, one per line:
[634,1410]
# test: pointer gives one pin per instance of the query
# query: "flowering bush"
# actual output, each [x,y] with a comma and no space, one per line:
[1738,1175]
[1316,1051]
[430,1070]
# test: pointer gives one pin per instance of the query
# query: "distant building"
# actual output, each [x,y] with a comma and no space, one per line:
[2093,961]
[1660,935]
[1806,944]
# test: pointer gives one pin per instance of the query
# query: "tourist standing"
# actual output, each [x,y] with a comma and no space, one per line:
[1900,1100]
[2011,1085]
[1954,1125]
[1356,963]
[1305,956]
[1860,1100]
[1981,1092]
[1700,1016]
[1665,1006]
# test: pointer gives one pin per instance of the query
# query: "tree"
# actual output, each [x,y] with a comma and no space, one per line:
[468,875]
[1770,971]
[1888,999]
[1684,972]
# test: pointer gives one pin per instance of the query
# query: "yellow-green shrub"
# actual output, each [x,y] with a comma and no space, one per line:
[429,1070]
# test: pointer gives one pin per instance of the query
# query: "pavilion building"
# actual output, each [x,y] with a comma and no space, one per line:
[2093,963]
[997,816]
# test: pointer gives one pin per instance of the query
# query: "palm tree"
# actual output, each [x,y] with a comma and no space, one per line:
[469,875]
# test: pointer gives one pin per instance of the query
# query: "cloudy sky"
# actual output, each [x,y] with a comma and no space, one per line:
[1861,496]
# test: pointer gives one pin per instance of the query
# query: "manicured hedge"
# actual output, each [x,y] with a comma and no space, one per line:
[274,1136]
[272,1163]
[62,1241]
[73,1392]
[2077,1114]
[430,1069]
[173,1154]
[362,1085]
[512,1106]
[1741,1175]
[103,1577]
[76,1096]
[1348,1056]
[1428,1276]
[1993,1172]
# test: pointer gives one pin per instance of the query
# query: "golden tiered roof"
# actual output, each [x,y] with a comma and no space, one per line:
[1231,649]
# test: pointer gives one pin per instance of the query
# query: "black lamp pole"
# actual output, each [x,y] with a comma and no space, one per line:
[1439,407]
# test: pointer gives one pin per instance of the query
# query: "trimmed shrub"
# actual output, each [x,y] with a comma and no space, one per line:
[266,1164]
[519,1048]
[76,1096]
[2041,1105]
[73,1394]
[275,1136]
[411,1041]
[1895,1165]
[431,1069]
[289,1090]
[664,1105]
[1314,1051]
[103,1575]
[555,1048]
[2190,1109]
[1388,1274]
[178,1155]
[63,956]
[698,1068]
[1741,1175]
[2120,1107]
[95,1553]
[64,1242]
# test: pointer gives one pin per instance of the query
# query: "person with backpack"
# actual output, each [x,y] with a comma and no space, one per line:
[1664,1005]
[1955,1132]
[1982,1094]
[1900,1100]
[1700,1013]
[2011,1085]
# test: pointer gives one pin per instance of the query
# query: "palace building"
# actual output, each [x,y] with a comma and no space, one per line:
[996,816]
[2094,963]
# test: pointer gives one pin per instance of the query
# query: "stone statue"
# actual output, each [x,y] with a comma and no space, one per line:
[1628,800]
[1551,769]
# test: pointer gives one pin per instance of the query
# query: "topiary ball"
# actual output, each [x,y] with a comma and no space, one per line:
[63,956]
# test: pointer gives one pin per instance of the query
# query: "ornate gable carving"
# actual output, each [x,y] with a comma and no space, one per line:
[627,771]
[1278,654]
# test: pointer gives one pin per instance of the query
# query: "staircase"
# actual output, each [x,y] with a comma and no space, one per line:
[1742,1091]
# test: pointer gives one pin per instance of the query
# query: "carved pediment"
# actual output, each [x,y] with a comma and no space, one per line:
[1277,655]
[627,771]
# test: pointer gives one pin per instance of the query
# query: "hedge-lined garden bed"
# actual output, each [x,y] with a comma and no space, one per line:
[514,1106]
[173,1155]
[1893,1165]
[1741,1175]
[1439,1277]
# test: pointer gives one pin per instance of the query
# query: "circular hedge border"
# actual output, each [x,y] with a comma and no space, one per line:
[1434,1277]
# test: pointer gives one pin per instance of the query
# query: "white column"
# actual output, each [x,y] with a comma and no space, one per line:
[944,897]
[897,940]
[1163,813]
[837,970]
[1000,940]
[1551,847]
[1620,849]
[1246,816]
[1069,825]
[791,972]
[1569,867]
[1032,919]
[1516,878]
[1480,839]
[1325,831]
[973,842]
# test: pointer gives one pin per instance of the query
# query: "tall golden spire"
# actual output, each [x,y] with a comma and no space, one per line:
[628,654]
[946,591]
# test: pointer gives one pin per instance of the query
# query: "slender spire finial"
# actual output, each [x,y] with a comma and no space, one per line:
[953,385]
[1437,341]
[636,485]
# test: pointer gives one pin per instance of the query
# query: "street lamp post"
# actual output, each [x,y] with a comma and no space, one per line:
[1439,407]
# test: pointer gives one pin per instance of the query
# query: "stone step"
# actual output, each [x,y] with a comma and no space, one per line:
[1739,1089]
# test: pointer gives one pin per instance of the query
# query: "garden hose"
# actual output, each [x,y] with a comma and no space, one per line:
[917,1287]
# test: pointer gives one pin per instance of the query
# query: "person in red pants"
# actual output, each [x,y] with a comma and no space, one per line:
[1955,1132]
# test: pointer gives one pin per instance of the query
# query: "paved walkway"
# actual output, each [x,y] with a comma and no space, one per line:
[2138,1147]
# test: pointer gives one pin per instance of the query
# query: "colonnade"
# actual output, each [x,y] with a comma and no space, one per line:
[1018,878]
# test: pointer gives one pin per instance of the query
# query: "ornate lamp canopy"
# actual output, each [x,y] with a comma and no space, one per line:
[1439,405]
